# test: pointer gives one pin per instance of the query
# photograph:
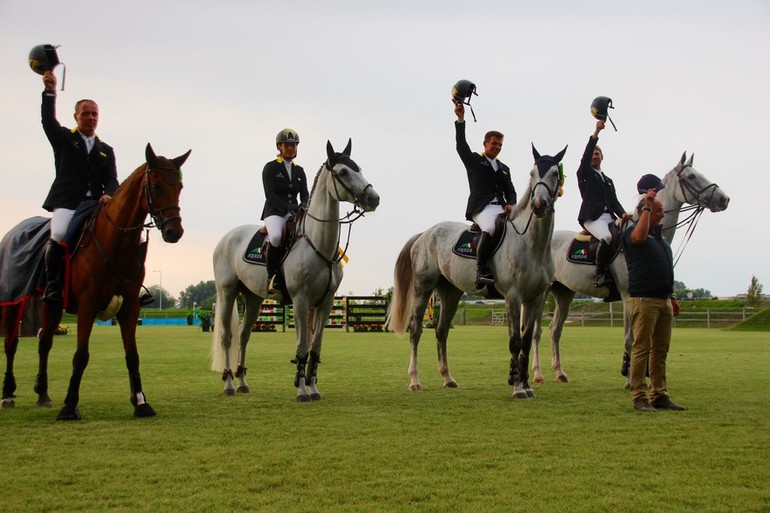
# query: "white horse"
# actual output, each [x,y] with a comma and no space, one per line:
[683,184]
[522,267]
[311,270]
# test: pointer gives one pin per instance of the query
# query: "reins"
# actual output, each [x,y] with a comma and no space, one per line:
[552,197]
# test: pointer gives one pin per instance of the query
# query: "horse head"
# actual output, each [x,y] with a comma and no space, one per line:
[162,186]
[348,183]
[545,181]
[694,188]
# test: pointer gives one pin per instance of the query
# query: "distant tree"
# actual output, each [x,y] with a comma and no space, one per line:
[378,292]
[681,290]
[204,294]
[754,293]
[158,292]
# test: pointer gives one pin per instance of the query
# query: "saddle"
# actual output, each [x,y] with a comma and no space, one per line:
[583,248]
[466,243]
[256,250]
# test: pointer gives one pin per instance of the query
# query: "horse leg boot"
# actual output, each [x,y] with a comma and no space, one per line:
[300,379]
[274,278]
[312,376]
[603,278]
[54,261]
[483,273]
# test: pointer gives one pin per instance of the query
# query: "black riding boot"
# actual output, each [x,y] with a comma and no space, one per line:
[274,278]
[483,273]
[54,262]
[603,277]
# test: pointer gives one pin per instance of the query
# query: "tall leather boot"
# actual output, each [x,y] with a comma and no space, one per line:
[483,272]
[54,262]
[274,278]
[603,278]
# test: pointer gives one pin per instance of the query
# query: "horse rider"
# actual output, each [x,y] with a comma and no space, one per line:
[85,174]
[600,206]
[492,191]
[282,180]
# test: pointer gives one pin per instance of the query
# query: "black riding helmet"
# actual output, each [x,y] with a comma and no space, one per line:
[44,58]
[462,92]
[287,135]
[599,109]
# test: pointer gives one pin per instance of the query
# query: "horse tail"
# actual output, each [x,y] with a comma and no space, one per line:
[400,308]
[217,351]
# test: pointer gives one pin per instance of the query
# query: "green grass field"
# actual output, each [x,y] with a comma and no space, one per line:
[371,445]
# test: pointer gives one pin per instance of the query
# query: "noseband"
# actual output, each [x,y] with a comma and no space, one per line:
[696,193]
[358,206]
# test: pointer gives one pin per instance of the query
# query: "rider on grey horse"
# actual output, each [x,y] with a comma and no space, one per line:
[492,191]
[600,206]
[282,180]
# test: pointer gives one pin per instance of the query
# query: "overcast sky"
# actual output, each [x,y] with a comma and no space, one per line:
[224,77]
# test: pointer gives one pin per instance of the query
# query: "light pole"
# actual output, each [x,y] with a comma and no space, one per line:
[161,289]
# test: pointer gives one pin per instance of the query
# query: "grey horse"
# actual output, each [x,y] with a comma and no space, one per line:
[311,269]
[683,185]
[522,267]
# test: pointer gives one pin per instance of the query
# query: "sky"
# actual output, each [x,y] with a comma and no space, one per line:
[223,78]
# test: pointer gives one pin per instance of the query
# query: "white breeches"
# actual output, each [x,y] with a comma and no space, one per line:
[486,218]
[600,228]
[60,221]
[274,225]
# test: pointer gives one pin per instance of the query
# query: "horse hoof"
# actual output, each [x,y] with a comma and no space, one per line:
[69,413]
[243,389]
[228,391]
[520,394]
[45,403]
[415,388]
[303,398]
[539,380]
[315,397]
[562,378]
[627,385]
[8,403]
[144,410]
[530,393]
[451,384]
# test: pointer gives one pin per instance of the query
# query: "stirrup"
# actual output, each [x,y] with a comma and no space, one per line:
[603,280]
[274,286]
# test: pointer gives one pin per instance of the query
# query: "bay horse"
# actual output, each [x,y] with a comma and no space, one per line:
[683,185]
[106,273]
[522,267]
[311,270]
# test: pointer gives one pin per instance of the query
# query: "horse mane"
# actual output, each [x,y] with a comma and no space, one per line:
[315,182]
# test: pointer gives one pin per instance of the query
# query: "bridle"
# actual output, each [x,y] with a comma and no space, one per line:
[156,214]
[695,208]
[552,195]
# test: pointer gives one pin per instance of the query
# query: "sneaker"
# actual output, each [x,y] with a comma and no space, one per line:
[643,404]
[664,402]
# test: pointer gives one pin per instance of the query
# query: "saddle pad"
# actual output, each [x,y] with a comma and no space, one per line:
[466,244]
[581,252]
[254,254]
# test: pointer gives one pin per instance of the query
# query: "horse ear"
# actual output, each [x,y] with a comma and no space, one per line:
[682,160]
[559,156]
[149,154]
[329,150]
[689,161]
[181,159]
[347,149]
[534,152]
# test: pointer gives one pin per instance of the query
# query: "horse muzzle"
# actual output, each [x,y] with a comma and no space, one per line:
[370,201]
[719,203]
[172,231]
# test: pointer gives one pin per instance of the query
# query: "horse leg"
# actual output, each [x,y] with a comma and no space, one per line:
[420,303]
[127,319]
[628,335]
[515,346]
[531,314]
[450,298]
[79,363]
[252,304]
[563,299]
[226,321]
[11,327]
[51,319]
[301,314]
[536,372]
[317,324]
